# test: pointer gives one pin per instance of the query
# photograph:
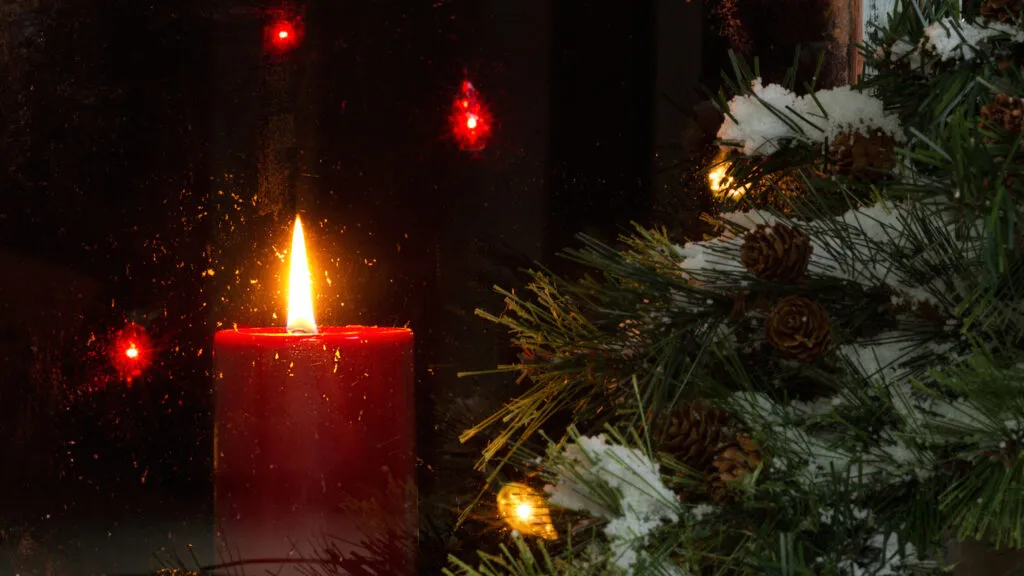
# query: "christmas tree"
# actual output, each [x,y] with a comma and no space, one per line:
[830,382]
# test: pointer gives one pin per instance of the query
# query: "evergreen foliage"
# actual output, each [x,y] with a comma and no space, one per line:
[874,391]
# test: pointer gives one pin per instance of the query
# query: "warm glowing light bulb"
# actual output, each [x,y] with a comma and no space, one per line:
[524,511]
[283,34]
[132,352]
[300,287]
[471,122]
[717,178]
[721,184]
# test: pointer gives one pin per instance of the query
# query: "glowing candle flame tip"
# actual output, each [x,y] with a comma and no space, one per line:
[300,287]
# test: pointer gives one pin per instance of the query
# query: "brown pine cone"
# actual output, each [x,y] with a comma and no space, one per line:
[1001,10]
[778,253]
[733,462]
[799,329]
[694,434]
[854,154]
[1004,113]
[737,459]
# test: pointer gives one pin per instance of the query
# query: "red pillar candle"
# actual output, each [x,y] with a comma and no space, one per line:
[314,442]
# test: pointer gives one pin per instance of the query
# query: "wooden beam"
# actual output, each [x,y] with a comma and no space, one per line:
[844,62]
[857,22]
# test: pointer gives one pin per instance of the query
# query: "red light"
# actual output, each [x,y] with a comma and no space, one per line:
[283,34]
[470,119]
[130,352]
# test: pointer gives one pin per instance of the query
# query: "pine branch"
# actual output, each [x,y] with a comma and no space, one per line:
[521,561]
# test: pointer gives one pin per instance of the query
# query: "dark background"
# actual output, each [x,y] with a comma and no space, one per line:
[154,155]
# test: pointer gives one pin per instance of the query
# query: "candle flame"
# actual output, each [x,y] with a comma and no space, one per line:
[300,287]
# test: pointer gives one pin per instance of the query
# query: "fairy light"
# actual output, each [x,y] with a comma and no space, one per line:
[471,122]
[283,33]
[525,511]
[130,352]
[722,185]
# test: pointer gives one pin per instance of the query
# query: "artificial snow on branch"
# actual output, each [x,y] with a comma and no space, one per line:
[618,484]
[772,117]
[952,38]
[871,246]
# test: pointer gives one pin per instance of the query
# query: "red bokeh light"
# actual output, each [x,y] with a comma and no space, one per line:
[130,352]
[471,122]
[283,34]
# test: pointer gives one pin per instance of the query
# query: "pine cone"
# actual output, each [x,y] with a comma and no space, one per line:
[778,253]
[854,154]
[733,462]
[694,434]
[799,329]
[1003,113]
[1001,10]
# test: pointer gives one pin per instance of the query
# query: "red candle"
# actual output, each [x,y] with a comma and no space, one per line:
[314,442]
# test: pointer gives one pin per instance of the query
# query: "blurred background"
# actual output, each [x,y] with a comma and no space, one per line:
[154,155]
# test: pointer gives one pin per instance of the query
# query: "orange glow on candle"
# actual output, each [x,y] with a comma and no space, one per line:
[300,287]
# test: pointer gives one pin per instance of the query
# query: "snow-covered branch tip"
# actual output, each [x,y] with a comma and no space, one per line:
[616,483]
[773,117]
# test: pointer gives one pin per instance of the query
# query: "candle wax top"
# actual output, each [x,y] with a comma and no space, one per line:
[279,336]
